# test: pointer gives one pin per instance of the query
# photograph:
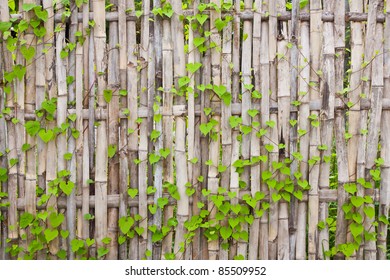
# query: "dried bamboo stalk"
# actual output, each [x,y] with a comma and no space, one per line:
[385,141]
[265,117]
[158,175]
[180,138]
[298,248]
[215,250]
[273,131]
[101,137]
[132,103]
[84,230]
[143,140]
[369,144]
[315,51]
[354,97]
[11,139]
[374,124]
[255,141]
[122,147]
[234,176]
[341,148]
[71,165]
[167,123]
[113,84]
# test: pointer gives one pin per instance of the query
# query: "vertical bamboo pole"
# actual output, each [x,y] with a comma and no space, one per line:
[71,165]
[32,91]
[384,200]
[123,144]
[101,137]
[354,97]
[326,117]
[376,95]
[84,234]
[143,140]
[315,51]
[341,148]
[11,138]
[113,84]
[273,136]
[151,100]
[3,160]
[234,176]
[369,144]
[194,169]
[157,218]
[265,116]
[180,138]
[132,103]
[167,122]
[255,141]
[304,111]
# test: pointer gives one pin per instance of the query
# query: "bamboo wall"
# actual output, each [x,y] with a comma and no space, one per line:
[260,131]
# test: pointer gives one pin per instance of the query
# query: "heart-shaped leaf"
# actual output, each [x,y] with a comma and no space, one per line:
[356,229]
[165,152]
[357,201]
[225,232]
[28,53]
[201,18]
[193,67]
[125,224]
[50,234]
[46,135]
[132,192]
[67,187]
[152,208]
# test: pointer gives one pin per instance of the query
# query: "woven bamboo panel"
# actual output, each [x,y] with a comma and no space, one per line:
[194,129]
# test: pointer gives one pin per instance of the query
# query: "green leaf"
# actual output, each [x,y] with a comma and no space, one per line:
[253,112]
[357,201]
[26,147]
[356,229]
[28,53]
[235,121]
[193,67]
[269,147]
[32,127]
[56,219]
[72,117]
[28,7]
[152,208]
[132,192]
[25,219]
[276,197]
[19,71]
[350,188]
[153,158]
[46,135]
[102,251]
[76,244]
[154,135]
[50,234]
[165,152]
[369,211]
[199,41]
[225,232]
[64,233]
[107,94]
[68,156]
[111,150]
[125,224]
[220,24]
[201,18]
[162,201]
[183,81]
[5,26]
[67,187]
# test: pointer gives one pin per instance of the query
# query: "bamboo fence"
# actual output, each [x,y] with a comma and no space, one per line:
[171,129]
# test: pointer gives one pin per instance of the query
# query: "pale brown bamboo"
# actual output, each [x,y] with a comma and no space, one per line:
[354,97]
[253,251]
[84,231]
[167,123]
[101,137]
[376,94]
[132,103]
[273,131]
[143,140]
[315,51]
[369,144]
[298,248]
[113,83]
[265,117]
[11,139]
[180,137]
[385,142]
[71,164]
[341,148]
[123,144]
[158,175]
